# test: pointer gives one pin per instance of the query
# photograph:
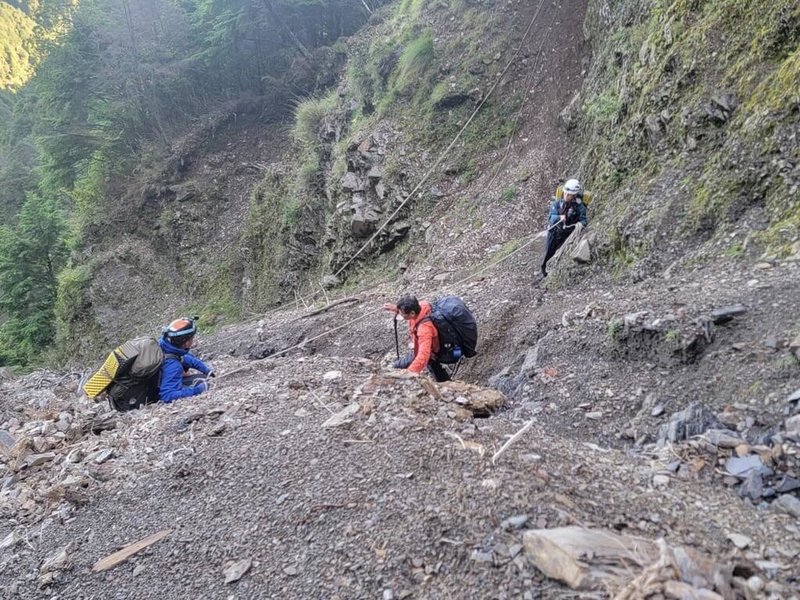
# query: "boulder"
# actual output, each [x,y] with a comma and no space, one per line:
[365,217]
[693,420]
[330,281]
[451,100]
[726,313]
[788,504]
[350,183]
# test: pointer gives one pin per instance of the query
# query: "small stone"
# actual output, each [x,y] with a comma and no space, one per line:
[388,595]
[236,570]
[792,425]
[301,412]
[742,466]
[787,484]
[290,571]
[739,540]
[515,522]
[742,450]
[595,415]
[332,375]
[722,438]
[481,556]
[6,439]
[795,397]
[755,583]
[788,504]
[657,411]
[660,481]
[11,540]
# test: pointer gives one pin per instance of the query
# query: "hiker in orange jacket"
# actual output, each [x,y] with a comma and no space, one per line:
[424,335]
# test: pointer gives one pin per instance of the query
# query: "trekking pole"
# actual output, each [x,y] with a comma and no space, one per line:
[396,340]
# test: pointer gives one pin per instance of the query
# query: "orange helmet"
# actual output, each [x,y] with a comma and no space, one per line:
[180,330]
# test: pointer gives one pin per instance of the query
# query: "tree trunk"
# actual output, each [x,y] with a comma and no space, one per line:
[274,14]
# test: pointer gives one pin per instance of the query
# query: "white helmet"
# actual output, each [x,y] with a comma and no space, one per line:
[572,186]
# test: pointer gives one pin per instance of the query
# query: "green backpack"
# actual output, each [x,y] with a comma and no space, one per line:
[130,375]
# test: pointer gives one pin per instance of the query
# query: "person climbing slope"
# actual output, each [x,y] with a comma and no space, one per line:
[423,334]
[176,342]
[564,215]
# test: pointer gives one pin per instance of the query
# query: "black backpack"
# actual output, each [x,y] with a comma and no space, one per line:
[456,327]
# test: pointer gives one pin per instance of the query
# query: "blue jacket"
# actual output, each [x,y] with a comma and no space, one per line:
[173,370]
[579,216]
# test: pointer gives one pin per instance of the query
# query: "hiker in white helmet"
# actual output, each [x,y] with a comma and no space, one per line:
[564,215]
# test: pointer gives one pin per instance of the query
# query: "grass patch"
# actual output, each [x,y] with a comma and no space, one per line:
[603,107]
[614,329]
[734,251]
[308,117]
[509,194]
[414,62]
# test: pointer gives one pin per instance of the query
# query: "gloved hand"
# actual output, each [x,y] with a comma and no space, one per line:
[201,387]
[403,363]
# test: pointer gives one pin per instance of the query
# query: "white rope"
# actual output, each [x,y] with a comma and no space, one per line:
[446,151]
[296,302]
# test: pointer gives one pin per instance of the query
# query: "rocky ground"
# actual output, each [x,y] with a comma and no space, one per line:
[399,496]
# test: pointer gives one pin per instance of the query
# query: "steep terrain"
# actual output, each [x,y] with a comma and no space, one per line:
[661,380]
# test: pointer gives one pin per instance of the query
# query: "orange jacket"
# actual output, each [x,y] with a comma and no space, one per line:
[425,337]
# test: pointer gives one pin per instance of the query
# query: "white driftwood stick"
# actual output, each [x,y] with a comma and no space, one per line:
[122,555]
[511,440]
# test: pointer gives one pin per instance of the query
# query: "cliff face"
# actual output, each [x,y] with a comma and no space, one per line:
[689,120]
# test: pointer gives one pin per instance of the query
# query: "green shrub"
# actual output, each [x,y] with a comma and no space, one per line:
[308,117]
[414,61]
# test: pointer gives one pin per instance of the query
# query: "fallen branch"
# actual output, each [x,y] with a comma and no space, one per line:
[122,555]
[511,440]
[235,371]
[329,306]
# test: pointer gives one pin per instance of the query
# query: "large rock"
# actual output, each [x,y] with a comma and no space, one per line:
[726,313]
[510,382]
[365,217]
[743,466]
[350,183]
[693,420]
[793,426]
[788,504]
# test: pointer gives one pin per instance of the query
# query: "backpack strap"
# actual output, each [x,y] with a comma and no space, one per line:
[421,321]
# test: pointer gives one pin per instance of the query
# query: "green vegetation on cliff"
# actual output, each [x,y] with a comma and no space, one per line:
[695,104]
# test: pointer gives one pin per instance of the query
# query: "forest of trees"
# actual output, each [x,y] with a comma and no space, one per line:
[87,88]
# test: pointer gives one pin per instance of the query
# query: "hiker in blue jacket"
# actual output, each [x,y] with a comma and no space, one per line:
[176,342]
[564,215]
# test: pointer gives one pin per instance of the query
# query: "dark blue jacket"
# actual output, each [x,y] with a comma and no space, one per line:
[579,216]
[173,370]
